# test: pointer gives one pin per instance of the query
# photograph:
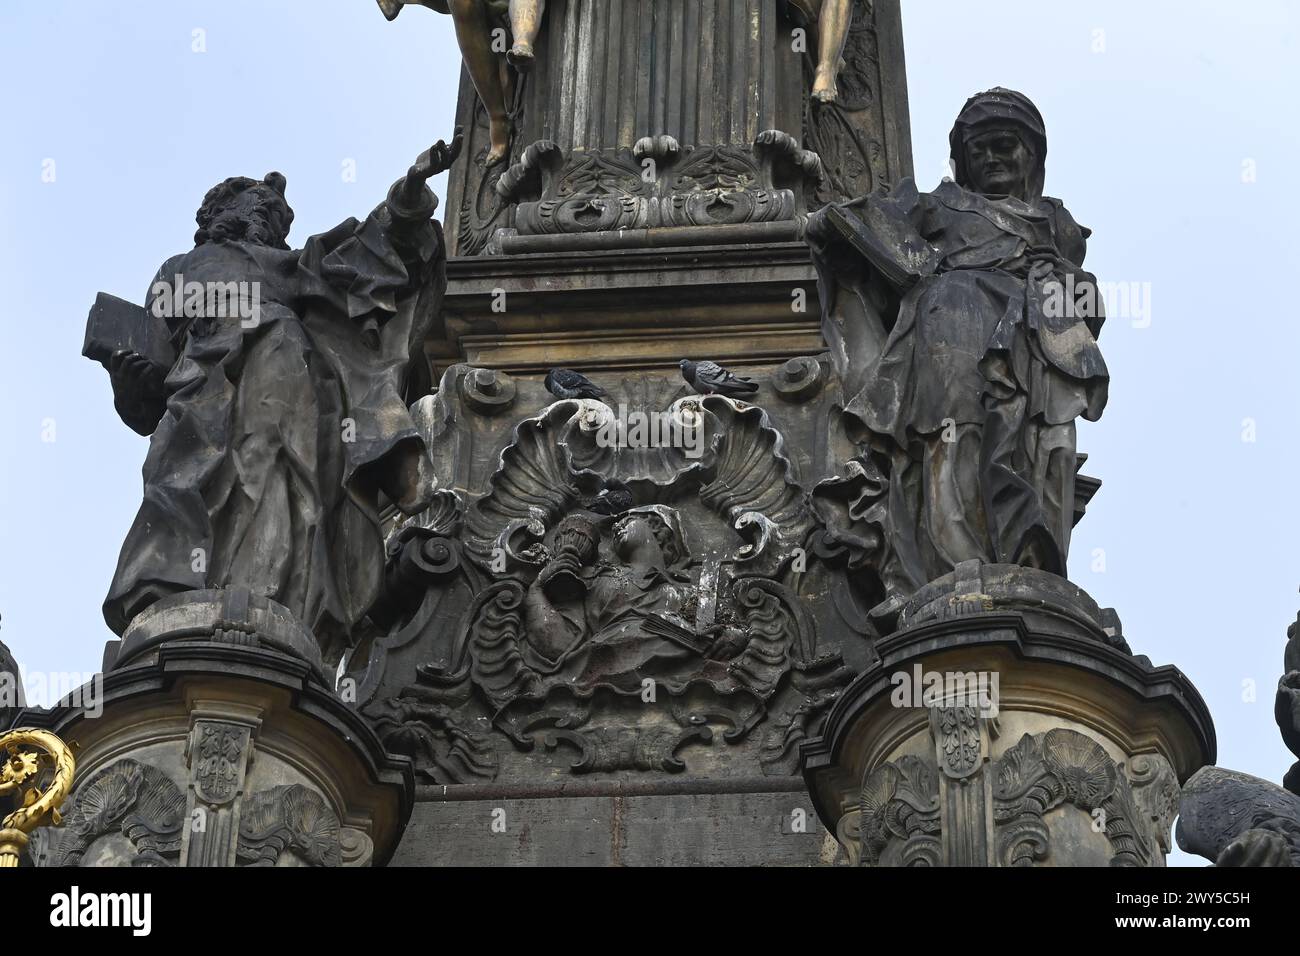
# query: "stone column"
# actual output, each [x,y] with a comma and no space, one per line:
[1007,724]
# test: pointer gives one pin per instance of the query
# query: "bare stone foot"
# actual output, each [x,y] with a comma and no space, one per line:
[824,88]
[500,142]
[521,57]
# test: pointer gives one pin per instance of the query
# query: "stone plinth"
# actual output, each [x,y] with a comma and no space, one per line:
[631,309]
[758,821]
[664,161]
[209,743]
[1046,744]
[644,113]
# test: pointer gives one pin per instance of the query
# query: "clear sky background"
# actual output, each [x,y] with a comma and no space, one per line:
[1172,133]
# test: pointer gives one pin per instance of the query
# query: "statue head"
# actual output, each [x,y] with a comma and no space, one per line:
[246,210]
[640,532]
[999,145]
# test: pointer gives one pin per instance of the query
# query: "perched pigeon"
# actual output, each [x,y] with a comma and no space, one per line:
[614,499]
[710,378]
[566,383]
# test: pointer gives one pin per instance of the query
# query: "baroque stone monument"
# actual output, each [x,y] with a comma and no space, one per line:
[613,613]
[632,520]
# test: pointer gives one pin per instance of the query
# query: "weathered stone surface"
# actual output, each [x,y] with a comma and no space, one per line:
[962,329]
[12,697]
[621,829]
[994,731]
[260,477]
[1220,808]
[694,90]
[527,636]
[230,615]
[220,753]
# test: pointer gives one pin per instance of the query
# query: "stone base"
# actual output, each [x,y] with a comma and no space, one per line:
[755,822]
[1001,729]
[632,309]
[213,752]
[222,615]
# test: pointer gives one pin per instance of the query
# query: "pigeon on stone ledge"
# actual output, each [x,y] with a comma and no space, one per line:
[566,383]
[710,378]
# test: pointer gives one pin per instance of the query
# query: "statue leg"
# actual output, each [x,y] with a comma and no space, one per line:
[832,33]
[525,23]
[952,511]
[474,34]
[1024,485]
[1052,450]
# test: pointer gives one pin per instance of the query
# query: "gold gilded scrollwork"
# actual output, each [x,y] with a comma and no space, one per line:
[37,770]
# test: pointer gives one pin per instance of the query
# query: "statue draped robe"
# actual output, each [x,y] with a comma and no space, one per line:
[264,468]
[964,379]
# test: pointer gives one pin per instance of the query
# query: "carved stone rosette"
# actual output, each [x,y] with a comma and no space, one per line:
[1003,726]
[213,751]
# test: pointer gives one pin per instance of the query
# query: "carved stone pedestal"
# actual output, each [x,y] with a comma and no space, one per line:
[1005,724]
[209,743]
[665,159]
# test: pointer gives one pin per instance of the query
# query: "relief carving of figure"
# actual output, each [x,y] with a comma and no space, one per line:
[618,623]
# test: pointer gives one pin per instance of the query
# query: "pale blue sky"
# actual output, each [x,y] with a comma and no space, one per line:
[1154,126]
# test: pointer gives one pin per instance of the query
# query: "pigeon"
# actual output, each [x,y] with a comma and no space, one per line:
[566,383]
[614,499]
[709,378]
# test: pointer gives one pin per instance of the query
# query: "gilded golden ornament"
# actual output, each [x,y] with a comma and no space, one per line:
[38,769]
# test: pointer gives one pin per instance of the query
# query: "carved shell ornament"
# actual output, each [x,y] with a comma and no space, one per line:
[557,463]
[131,798]
[1082,766]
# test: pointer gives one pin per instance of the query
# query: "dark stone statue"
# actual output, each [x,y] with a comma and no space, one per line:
[12,700]
[1235,819]
[277,416]
[963,328]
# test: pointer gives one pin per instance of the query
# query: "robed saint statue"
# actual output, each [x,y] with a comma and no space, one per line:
[274,394]
[964,327]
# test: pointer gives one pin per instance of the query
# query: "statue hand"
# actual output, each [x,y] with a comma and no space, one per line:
[560,580]
[729,642]
[138,392]
[1256,848]
[404,482]
[1286,710]
[1041,270]
[436,159]
[130,373]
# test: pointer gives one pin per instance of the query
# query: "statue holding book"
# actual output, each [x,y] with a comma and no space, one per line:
[271,381]
[963,327]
